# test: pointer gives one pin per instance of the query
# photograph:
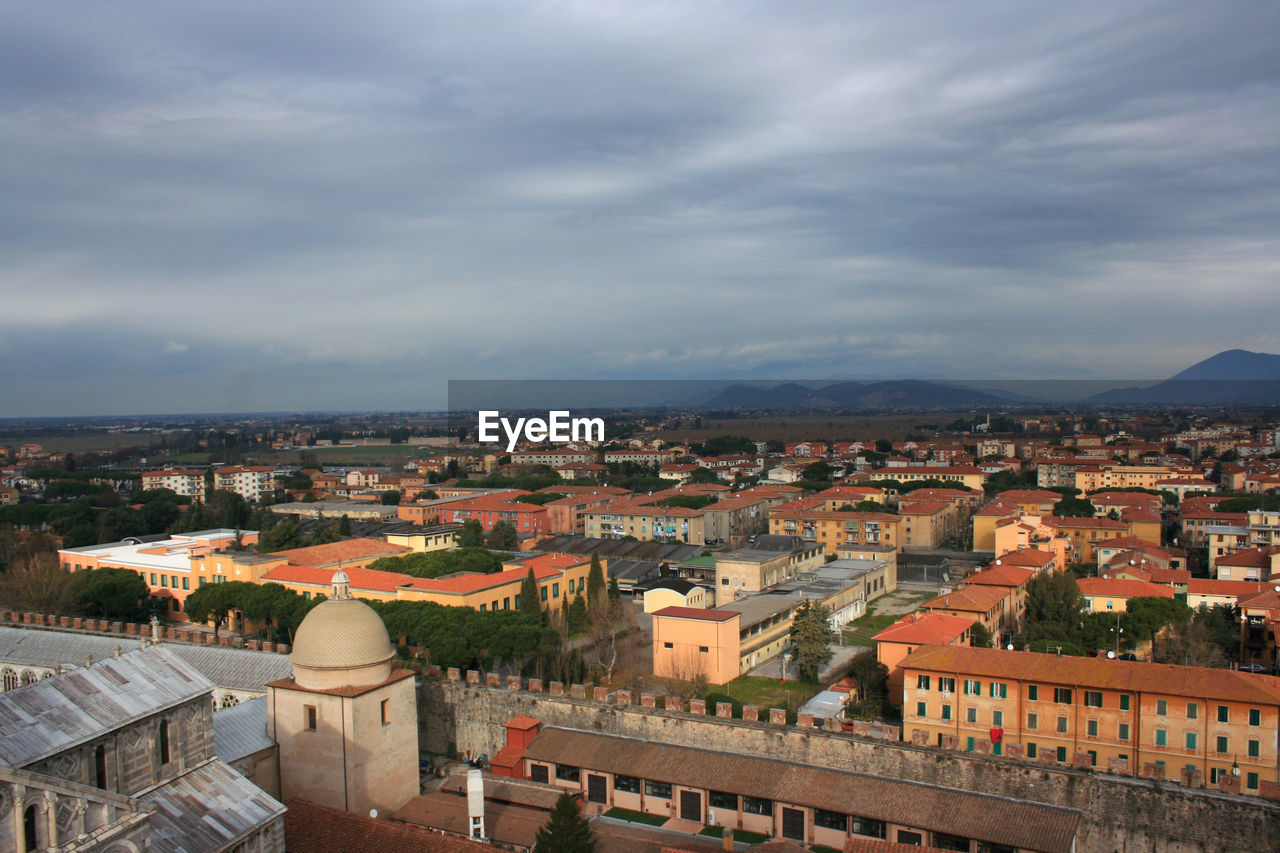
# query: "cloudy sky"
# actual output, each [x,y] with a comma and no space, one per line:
[246,206]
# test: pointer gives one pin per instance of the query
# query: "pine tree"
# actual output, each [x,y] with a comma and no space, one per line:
[344,526]
[567,831]
[811,636]
[595,583]
[577,619]
[529,596]
[615,594]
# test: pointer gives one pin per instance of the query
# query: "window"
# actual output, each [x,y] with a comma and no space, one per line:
[164,581]
[947,685]
[383,710]
[657,789]
[543,591]
[1123,732]
[972,688]
[1255,717]
[1191,740]
[153,578]
[1031,750]
[309,716]
[1033,692]
[506,604]
[1062,753]
[943,841]
[867,826]
[946,712]
[164,742]
[1093,758]
[1032,721]
[1255,749]
[626,784]
[756,805]
[572,774]
[922,709]
[668,645]
[1222,745]
[1193,710]
[186,583]
[971,715]
[1092,699]
[922,682]
[538,772]
[1062,724]
[722,800]
[555,590]
[997,718]
[1062,695]
[1091,728]
[484,608]
[100,767]
[999,690]
[1124,701]
[1162,737]
[703,649]
[1224,714]
[830,820]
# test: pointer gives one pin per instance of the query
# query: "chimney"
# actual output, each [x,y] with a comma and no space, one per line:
[475,803]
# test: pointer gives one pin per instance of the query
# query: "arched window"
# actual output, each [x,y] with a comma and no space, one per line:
[28,677]
[100,767]
[164,741]
[29,829]
[10,678]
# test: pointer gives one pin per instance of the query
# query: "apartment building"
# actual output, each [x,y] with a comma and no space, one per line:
[768,561]
[640,457]
[1111,595]
[834,529]
[1093,712]
[251,482]
[914,630]
[186,482]
[553,457]
[646,521]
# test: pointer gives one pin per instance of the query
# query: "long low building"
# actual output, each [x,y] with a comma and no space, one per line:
[785,800]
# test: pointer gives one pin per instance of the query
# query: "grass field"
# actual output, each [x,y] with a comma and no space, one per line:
[742,835]
[636,817]
[767,692]
[860,631]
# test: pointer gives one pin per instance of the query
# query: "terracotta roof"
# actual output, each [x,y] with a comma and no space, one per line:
[1210,586]
[523,722]
[937,629]
[369,579]
[1137,676]
[978,599]
[1022,825]
[1120,588]
[1028,496]
[1026,557]
[1259,558]
[677,612]
[924,507]
[340,552]
[998,510]
[1002,576]
[313,828]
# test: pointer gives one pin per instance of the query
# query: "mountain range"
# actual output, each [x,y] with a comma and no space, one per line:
[1234,377]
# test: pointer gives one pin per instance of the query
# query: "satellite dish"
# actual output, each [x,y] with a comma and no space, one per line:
[373,813]
[1009,647]
[1111,655]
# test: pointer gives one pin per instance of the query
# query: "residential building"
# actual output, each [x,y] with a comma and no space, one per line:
[1111,595]
[1094,712]
[640,457]
[768,561]
[185,482]
[646,521]
[927,524]
[982,604]
[251,482]
[441,537]
[554,457]
[730,520]
[1259,623]
[834,529]
[914,630]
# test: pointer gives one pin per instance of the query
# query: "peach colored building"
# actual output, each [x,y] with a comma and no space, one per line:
[835,529]
[912,631]
[1089,712]
[689,641]
[1111,595]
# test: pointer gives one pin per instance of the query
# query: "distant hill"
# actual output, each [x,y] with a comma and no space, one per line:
[894,394]
[1234,377]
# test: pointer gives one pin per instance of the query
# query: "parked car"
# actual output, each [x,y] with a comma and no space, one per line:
[1253,667]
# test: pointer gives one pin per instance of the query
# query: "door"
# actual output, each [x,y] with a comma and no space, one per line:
[691,806]
[793,824]
[597,789]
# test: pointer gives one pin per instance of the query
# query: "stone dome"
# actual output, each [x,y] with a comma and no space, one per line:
[342,642]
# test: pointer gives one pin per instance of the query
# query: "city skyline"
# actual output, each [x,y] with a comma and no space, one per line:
[237,209]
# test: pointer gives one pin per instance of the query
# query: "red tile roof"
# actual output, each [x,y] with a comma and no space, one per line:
[938,629]
[1210,586]
[1028,496]
[367,579]
[677,612]
[1002,576]
[1119,588]
[924,507]
[1032,558]
[975,599]
[313,828]
[1135,676]
[340,552]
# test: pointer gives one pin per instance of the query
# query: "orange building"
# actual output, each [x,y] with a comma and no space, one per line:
[1131,716]
[835,529]
[688,641]
[987,605]
[912,631]
[1111,595]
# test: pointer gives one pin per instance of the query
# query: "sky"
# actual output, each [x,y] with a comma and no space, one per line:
[246,206]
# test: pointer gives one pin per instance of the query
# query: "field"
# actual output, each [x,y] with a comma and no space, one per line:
[815,426]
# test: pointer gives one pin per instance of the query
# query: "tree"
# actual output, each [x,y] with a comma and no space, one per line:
[529,602]
[1073,508]
[502,535]
[576,618]
[210,602]
[111,594]
[470,534]
[615,594]
[566,831]
[344,526]
[283,535]
[595,582]
[873,685]
[979,636]
[391,498]
[1189,644]
[610,620]
[811,637]
[704,476]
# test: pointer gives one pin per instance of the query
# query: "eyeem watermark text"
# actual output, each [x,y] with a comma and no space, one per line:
[557,427]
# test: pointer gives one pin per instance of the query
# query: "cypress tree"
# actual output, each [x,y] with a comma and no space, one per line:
[567,831]
[595,582]
[529,595]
